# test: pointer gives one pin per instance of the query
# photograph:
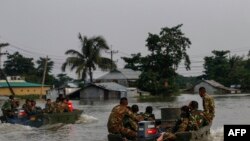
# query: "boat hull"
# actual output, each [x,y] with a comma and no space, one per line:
[46,118]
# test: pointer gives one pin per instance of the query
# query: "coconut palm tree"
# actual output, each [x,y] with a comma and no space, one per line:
[89,57]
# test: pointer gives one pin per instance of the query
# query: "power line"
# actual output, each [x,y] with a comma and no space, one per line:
[111,56]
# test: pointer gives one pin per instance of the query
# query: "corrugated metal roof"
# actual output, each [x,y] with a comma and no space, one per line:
[216,84]
[121,74]
[111,86]
[20,84]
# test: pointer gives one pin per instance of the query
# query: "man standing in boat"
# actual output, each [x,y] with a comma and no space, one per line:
[115,121]
[208,104]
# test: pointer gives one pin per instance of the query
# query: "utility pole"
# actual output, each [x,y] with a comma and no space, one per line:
[111,56]
[44,73]
[1,71]
[1,46]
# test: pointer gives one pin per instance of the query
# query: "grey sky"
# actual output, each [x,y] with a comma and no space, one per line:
[37,28]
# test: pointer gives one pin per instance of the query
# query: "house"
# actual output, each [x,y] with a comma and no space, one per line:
[21,87]
[70,90]
[125,77]
[103,91]
[213,87]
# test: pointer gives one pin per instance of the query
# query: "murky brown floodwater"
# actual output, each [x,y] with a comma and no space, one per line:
[230,109]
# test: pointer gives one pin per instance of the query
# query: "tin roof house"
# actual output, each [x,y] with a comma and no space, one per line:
[103,91]
[125,77]
[214,87]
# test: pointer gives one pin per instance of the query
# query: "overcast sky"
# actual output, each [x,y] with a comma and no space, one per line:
[37,28]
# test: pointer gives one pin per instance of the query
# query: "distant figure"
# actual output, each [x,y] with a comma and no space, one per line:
[148,115]
[115,120]
[9,106]
[49,106]
[27,107]
[208,104]
[197,117]
[60,98]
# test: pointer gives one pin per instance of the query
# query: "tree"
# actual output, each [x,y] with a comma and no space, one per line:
[217,67]
[89,57]
[62,79]
[16,64]
[134,63]
[167,50]
[228,71]
[49,79]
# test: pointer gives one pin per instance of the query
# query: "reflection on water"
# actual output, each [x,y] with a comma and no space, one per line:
[230,109]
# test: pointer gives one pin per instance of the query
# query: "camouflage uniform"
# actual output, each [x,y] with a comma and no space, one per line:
[148,116]
[130,123]
[115,121]
[208,106]
[197,120]
[182,124]
[49,108]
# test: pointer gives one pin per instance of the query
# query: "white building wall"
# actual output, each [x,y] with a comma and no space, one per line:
[210,89]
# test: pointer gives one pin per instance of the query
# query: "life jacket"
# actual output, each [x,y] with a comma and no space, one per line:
[70,105]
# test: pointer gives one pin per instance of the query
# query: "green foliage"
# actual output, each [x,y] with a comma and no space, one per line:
[158,68]
[228,71]
[17,64]
[62,80]
[89,57]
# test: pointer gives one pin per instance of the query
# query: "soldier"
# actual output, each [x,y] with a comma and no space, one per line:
[129,122]
[9,106]
[208,104]
[182,124]
[49,107]
[148,115]
[197,117]
[115,121]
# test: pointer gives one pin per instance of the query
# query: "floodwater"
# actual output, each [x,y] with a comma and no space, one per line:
[230,109]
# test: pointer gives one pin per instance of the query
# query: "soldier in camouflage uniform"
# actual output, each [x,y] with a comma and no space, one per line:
[208,104]
[197,118]
[182,124]
[49,107]
[130,123]
[115,121]
[148,115]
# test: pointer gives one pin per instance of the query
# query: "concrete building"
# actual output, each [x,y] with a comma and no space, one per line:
[21,87]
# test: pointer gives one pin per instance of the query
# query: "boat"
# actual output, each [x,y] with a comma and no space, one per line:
[148,132]
[42,119]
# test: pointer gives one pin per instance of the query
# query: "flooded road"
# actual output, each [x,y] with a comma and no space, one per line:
[230,109]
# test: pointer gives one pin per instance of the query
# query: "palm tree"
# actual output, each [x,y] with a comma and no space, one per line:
[41,64]
[89,58]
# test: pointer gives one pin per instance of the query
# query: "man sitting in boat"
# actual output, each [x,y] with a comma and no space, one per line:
[27,107]
[31,109]
[182,124]
[148,115]
[49,107]
[115,120]
[197,117]
[129,122]
[9,107]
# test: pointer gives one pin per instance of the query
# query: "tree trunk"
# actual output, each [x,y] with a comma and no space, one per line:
[90,75]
